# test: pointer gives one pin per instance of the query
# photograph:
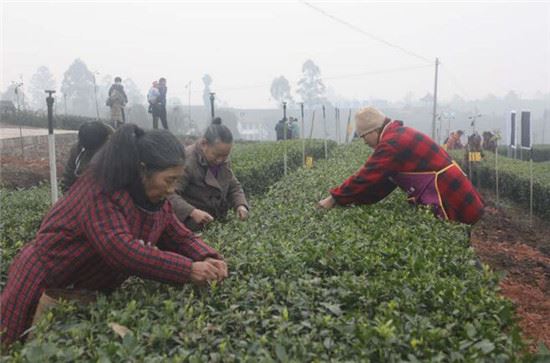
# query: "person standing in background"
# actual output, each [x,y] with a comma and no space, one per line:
[294,128]
[116,101]
[162,102]
[153,98]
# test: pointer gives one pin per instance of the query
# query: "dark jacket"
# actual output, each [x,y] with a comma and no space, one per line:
[76,165]
[162,99]
[199,188]
[280,129]
[119,88]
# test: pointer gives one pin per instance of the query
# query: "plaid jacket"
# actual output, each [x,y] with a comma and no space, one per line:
[93,240]
[404,149]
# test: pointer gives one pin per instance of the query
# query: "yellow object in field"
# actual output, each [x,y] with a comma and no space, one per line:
[474,156]
[309,162]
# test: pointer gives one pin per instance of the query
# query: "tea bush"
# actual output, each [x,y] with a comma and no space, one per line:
[380,283]
[514,181]
[541,152]
[259,165]
[21,212]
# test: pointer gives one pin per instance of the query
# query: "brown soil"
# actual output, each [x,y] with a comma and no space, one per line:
[508,241]
[17,172]
[32,168]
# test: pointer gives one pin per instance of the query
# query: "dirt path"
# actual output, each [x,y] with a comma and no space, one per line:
[10,131]
[507,241]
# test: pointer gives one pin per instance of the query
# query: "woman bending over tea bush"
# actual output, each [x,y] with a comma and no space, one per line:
[113,223]
[209,189]
[406,158]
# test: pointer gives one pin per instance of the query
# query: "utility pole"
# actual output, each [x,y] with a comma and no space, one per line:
[212,98]
[434,115]
[51,146]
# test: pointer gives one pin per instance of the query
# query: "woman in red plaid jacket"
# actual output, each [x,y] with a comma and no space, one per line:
[406,158]
[113,223]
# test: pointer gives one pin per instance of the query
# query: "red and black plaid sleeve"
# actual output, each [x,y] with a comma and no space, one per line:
[370,184]
[105,226]
[179,239]
[404,149]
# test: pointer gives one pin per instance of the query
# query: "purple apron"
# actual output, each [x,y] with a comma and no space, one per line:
[421,188]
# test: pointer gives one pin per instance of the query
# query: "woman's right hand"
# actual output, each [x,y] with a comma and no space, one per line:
[327,203]
[203,272]
[201,217]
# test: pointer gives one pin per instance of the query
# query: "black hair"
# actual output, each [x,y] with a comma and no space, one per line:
[118,79]
[131,149]
[218,132]
[162,79]
[92,135]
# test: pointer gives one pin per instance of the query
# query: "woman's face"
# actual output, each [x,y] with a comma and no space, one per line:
[217,153]
[371,139]
[160,184]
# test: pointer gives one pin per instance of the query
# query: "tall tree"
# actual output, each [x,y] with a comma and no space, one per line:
[280,90]
[311,87]
[78,88]
[42,80]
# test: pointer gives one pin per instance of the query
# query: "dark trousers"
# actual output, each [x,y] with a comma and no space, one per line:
[160,114]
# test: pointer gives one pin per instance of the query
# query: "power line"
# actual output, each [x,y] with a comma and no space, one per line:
[390,70]
[361,31]
[380,71]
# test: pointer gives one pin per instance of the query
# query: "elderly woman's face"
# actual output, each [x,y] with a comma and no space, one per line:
[217,153]
[370,138]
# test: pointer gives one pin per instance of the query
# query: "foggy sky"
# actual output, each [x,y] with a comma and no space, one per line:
[484,47]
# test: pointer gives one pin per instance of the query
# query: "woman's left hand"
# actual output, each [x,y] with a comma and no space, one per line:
[242,212]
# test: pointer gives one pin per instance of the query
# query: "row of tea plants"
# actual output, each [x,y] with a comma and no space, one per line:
[256,165]
[380,283]
[514,180]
